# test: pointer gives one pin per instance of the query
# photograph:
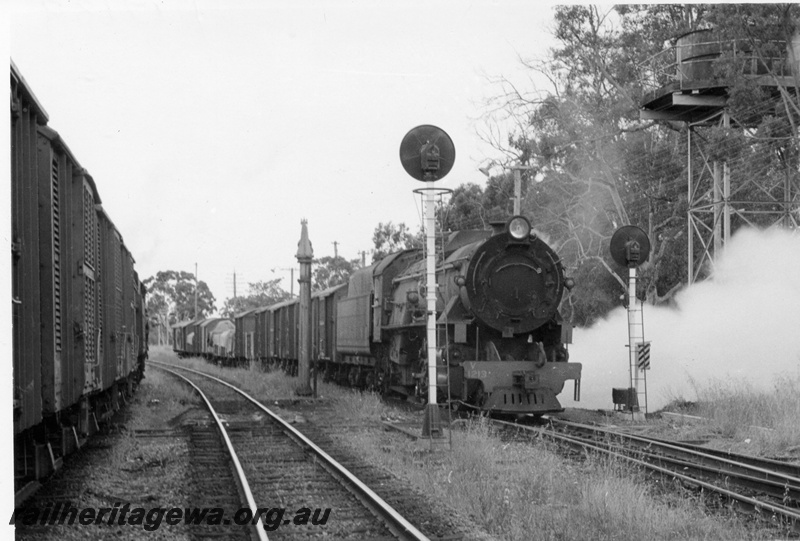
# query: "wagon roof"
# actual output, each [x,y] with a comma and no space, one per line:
[220,325]
[25,88]
[281,304]
[328,291]
[245,313]
[59,142]
[212,321]
[386,261]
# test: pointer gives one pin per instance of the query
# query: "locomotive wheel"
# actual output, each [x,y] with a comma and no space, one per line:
[352,376]
[385,382]
[371,381]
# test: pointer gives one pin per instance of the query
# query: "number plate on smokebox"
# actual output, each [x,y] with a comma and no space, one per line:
[527,379]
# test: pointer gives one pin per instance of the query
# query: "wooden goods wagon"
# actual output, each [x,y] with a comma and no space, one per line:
[245,323]
[66,256]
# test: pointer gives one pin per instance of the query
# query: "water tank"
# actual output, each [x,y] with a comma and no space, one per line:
[696,52]
[695,55]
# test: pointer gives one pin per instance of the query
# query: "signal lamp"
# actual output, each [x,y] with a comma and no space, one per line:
[569,283]
[412,297]
[519,227]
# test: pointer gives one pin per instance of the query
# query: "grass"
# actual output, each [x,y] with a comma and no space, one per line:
[515,491]
[261,385]
[276,385]
[758,421]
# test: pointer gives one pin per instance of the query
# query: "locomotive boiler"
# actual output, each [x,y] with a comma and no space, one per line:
[503,344]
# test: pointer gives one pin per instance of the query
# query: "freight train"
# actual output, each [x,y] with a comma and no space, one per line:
[79,336]
[502,343]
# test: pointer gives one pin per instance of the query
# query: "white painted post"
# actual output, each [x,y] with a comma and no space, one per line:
[431,425]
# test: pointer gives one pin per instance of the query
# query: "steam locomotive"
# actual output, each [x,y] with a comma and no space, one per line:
[79,323]
[502,343]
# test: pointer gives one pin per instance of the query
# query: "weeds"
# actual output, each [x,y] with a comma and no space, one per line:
[517,491]
[763,420]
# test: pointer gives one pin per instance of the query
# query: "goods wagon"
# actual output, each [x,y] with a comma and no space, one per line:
[79,333]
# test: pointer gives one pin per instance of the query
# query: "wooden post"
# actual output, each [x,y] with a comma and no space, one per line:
[305,254]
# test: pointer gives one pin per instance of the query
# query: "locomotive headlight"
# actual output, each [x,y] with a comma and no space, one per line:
[519,227]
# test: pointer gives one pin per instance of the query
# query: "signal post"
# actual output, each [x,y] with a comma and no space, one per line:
[630,247]
[427,154]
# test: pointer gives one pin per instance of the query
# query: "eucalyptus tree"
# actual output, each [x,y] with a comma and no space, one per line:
[171,298]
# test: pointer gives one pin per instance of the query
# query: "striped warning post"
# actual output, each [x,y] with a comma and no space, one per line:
[643,355]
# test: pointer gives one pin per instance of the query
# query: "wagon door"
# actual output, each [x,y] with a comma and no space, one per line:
[130,290]
[108,248]
[55,283]
[86,243]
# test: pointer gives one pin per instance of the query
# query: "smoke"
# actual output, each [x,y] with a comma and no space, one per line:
[742,324]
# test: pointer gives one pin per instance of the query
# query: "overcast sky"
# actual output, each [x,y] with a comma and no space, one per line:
[212,128]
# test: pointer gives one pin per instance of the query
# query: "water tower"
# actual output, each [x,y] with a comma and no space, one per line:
[721,195]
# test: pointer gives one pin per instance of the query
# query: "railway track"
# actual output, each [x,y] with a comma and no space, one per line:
[300,490]
[763,487]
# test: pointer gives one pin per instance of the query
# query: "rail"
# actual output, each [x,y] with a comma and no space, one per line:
[397,523]
[245,486]
[787,484]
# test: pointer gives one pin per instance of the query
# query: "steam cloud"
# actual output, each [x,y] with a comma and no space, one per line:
[743,323]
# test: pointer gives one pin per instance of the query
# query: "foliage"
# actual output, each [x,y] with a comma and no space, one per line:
[389,238]
[586,142]
[331,271]
[171,298]
[604,167]
[258,294]
[473,207]
[465,209]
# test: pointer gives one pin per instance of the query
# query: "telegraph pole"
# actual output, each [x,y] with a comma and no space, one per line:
[196,283]
[486,170]
[518,186]
[291,278]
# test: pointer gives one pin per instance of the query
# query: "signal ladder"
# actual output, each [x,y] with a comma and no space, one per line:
[638,352]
